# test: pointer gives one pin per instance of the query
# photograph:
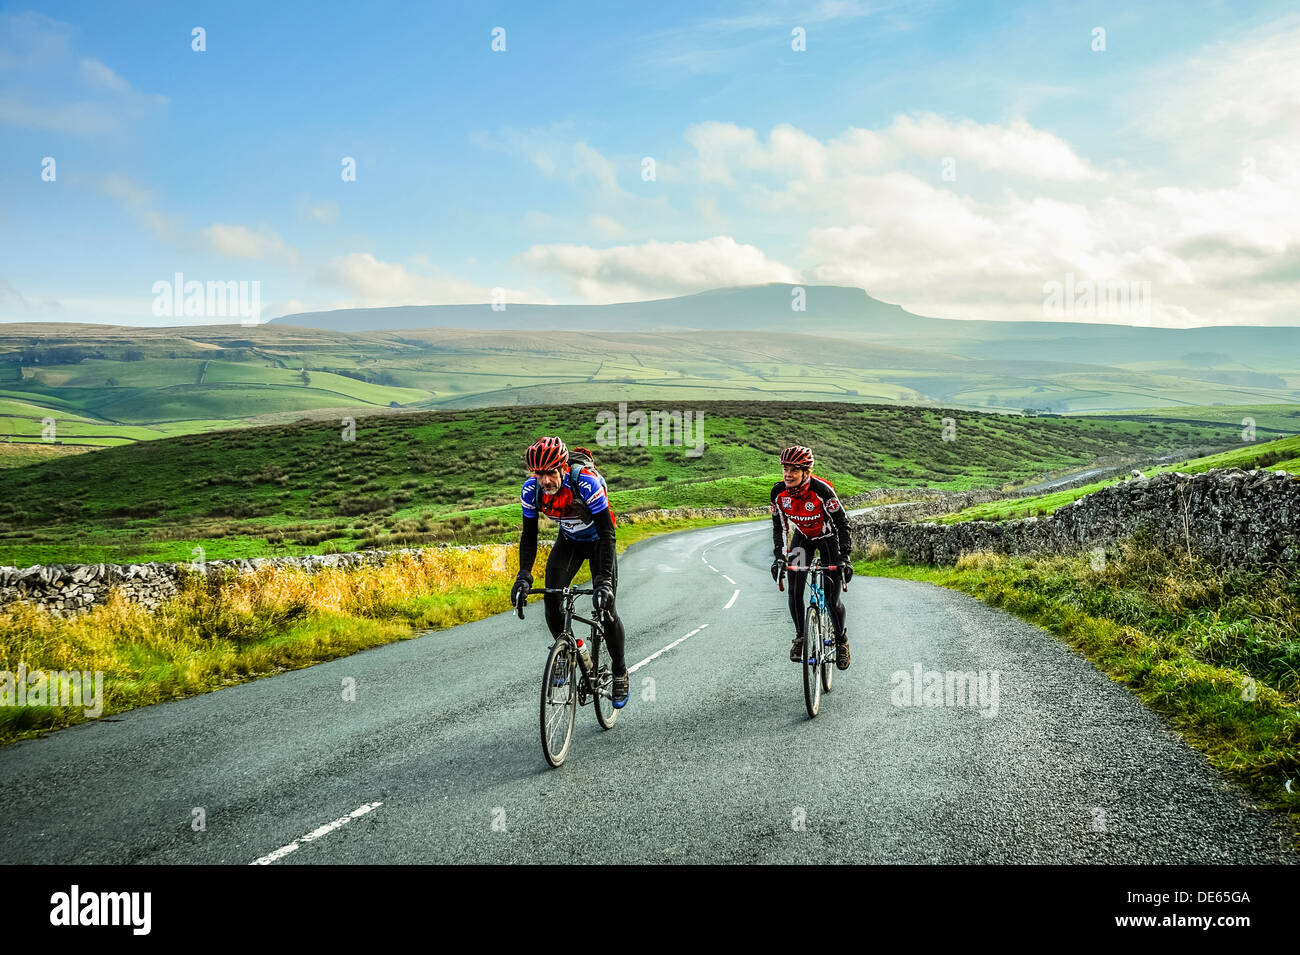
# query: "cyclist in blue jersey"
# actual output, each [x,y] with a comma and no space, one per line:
[580,505]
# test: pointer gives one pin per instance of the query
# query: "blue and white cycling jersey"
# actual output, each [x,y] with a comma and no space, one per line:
[567,508]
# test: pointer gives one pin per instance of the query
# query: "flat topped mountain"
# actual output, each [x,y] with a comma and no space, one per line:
[836,312]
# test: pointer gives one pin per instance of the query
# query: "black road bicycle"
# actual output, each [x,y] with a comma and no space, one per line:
[573,675]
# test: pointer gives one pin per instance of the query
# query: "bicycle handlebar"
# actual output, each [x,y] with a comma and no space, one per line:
[780,583]
[566,591]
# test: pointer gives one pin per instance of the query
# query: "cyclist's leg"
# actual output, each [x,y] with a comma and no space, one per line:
[800,555]
[615,638]
[561,565]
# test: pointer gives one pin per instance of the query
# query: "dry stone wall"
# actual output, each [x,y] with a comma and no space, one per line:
[1226,515]
[67,589]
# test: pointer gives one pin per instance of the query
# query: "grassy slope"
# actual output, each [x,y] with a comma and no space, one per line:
[418,478]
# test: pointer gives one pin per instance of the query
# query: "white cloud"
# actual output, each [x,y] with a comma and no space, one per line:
[558,157]
[76,118]
[590,165]
[140,202]
[874,211]
[325,212]
[97,74]
[1229,90]
[241,242]
[1015,148]
[535,220]
[374,283]
[607,227]
[16,307]
[656,269]
[724,150]
[40,54]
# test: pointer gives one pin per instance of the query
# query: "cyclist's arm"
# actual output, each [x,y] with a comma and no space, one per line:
[842,529]
[835,512]
[528,545]
[606,546]
[596,496]
[528,536]
[778,525]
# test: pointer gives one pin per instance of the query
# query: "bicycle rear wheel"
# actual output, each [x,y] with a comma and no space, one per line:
[559,701]
[602,685]
[812,649]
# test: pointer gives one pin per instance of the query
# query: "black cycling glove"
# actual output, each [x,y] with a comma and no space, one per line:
[778,568]
[519,593]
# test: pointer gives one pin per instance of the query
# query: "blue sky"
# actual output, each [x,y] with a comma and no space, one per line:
[951,158]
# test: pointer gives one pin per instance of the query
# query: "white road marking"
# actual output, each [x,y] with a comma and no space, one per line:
[652,656]
[728,580]
[326,829]
[712,568]
[732,600]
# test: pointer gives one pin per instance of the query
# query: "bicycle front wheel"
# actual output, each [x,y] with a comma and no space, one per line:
[559,701]
[812,650]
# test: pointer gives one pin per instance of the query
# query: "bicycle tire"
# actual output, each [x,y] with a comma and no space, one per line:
[602,679]
[812,684]
[558,714]
[828,664]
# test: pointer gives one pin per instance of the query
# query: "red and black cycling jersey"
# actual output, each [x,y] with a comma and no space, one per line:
[812,509]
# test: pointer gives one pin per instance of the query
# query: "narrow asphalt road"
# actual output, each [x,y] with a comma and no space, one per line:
[437,759]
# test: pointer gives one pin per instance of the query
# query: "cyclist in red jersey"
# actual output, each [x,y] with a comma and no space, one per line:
[807,517]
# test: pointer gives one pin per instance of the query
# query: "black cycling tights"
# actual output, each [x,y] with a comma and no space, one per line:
[565,560]
[797,580]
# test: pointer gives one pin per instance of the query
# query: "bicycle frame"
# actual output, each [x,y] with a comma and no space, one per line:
[588,686]
[816,592]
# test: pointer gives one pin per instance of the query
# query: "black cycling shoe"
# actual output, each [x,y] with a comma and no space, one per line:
[842,652]
[796,650]
[619,690]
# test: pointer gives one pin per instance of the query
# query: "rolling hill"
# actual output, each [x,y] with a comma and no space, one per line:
[455,474]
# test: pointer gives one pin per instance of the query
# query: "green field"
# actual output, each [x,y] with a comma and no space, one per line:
[444,476]
[108,385]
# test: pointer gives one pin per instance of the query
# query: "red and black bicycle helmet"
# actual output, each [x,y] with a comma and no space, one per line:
[797,457]
[547,454]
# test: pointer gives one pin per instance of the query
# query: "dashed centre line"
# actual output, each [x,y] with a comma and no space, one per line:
[633,669]
[324,830]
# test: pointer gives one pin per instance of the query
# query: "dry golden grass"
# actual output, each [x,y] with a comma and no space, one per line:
[217,632]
